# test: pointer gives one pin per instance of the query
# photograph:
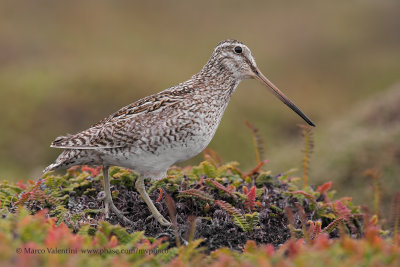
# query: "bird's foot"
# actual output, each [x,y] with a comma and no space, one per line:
[161,220]
[120,214]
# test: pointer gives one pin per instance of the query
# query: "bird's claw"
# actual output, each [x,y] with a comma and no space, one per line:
[161,220]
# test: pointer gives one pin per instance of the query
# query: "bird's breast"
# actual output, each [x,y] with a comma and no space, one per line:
[194,136]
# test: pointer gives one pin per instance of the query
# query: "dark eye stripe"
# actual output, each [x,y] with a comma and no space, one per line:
[238,50]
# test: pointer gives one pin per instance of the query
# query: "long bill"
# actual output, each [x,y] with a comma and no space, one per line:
[280,95]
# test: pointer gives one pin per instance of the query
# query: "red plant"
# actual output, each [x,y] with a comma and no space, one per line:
[342,210]
[330,227]
[323,189]
[322,241]
[93,171]
[258,141]
[113,241]
[212,156]
[21,185]
[269,249]
[376,187]
[73,170]
[303,218]
[223,188]
[172,214]
[293,247]
[250,201]
[245,190]
[61,232]
[160,195]
[316,229]
[29,195]
[256,169]
[289,214]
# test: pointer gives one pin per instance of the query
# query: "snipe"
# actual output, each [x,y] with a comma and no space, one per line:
[168,127]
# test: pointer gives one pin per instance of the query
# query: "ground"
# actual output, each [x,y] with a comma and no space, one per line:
[229,207]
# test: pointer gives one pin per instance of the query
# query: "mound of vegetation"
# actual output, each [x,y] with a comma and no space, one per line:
[225,207]
[213,206]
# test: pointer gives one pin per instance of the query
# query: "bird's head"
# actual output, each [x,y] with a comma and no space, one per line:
[235,58]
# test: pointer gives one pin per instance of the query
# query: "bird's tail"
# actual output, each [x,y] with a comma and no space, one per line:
[71,157]
[51,167]
[63,160]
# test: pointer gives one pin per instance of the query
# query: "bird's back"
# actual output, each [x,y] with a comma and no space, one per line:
[171,126]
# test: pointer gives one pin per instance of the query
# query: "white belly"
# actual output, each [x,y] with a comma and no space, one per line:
[154,164]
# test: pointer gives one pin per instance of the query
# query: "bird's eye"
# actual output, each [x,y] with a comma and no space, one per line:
[238,50]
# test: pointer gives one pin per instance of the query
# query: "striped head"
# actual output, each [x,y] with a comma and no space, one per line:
[233,58]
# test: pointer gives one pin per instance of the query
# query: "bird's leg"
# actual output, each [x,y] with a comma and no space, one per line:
[108,202]
[142,191]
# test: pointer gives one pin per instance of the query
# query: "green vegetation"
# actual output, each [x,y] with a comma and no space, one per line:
[47,221]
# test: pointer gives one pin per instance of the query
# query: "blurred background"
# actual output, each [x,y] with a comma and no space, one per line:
[66,65]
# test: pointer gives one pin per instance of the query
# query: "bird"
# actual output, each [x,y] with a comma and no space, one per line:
[165,128]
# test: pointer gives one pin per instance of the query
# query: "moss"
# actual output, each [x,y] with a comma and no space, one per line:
[220,193]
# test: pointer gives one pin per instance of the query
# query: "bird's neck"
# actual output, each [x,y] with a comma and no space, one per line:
[217,79]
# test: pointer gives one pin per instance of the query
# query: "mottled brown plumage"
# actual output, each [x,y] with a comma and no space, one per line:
[168,127]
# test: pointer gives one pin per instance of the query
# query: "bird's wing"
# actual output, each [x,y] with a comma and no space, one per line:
[122,128]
